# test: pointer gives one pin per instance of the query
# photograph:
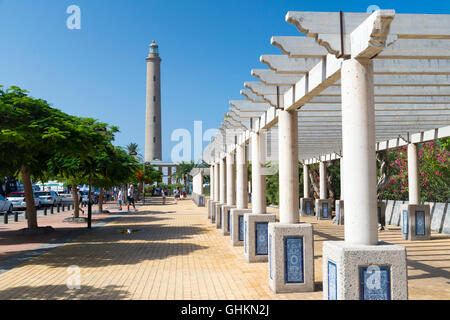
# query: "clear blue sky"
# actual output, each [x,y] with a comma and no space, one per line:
[207,47]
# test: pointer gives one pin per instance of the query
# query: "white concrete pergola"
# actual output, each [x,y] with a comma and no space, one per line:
[356,84]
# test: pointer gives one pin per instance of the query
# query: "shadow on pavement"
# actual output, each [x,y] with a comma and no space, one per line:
[54,292]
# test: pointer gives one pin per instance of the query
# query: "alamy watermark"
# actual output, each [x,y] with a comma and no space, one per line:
[74,278]
[74,19]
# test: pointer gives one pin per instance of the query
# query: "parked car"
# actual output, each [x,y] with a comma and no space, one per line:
[18,200]
[49,198]
[5,205]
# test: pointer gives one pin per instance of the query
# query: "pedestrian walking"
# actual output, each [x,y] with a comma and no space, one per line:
[163,193]
[79,201]
[120,198]
[130,198]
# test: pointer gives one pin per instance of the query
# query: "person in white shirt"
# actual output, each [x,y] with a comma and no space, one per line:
[130,198]
[120,198]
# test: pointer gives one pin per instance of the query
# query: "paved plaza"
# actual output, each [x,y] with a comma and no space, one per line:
[176,253]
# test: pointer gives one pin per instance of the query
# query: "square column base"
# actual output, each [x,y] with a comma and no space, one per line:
[218,215]
[210,205]
[362,272]
[226,219]
[416,222]
[291,257]
[215,209]
[237,226]
[323,209]
[339,219]
[306,207]
[256,240]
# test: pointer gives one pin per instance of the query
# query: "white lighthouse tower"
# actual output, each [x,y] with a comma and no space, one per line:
[153,143]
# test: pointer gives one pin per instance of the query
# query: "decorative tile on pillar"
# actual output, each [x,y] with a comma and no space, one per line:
[324,210]
[420,223]
[308,207]
[201,201]
[375,283]
[332,281]
[228,218]
[293,259]
[270,260]
[241,228]
[261,236]
[245,236]
[220,216]
[405,222]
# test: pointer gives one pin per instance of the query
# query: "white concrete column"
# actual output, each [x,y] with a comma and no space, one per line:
[258,180]
[306,186]
[323,181]
[231,180]
[223,181]
[413,175]
[358,135]
[241,178]
[201,182]
[216,182]
[211,181]
[341,164]
[288,166]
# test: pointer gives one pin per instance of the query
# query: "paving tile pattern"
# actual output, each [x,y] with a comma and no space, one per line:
[176,253]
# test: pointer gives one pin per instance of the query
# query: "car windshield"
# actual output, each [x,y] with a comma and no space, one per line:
[16,195]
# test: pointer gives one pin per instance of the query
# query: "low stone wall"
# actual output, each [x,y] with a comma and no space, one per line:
[199,199]
[440,215]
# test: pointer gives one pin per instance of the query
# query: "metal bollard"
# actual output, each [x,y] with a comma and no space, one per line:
[5,217]
[51,210]
[63,207]
[25,215]
[16,216]
[45,211]
[58,208]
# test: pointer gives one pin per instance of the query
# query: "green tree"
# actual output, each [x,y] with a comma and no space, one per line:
[32,132]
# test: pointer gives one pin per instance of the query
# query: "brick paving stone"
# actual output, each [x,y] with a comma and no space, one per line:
[179,254]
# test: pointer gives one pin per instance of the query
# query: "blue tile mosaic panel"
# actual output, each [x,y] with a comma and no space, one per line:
[245,236]
[293,259]
[375,283]
[324,210]
[201,201]
[308,207]
[270,260]
[261,236]
[332,281]
[220,217]
[405,222]
[241,228]
[420,223]
[228,219]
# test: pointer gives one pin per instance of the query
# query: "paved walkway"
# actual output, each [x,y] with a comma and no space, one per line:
[176,253]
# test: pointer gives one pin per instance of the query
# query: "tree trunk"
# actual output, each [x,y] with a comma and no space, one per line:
[100,201]
[331,192]
[382,180]
[29,197]
[76,204]
[314,183]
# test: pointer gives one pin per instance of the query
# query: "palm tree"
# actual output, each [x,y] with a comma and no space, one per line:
[133,149]
[182,172]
